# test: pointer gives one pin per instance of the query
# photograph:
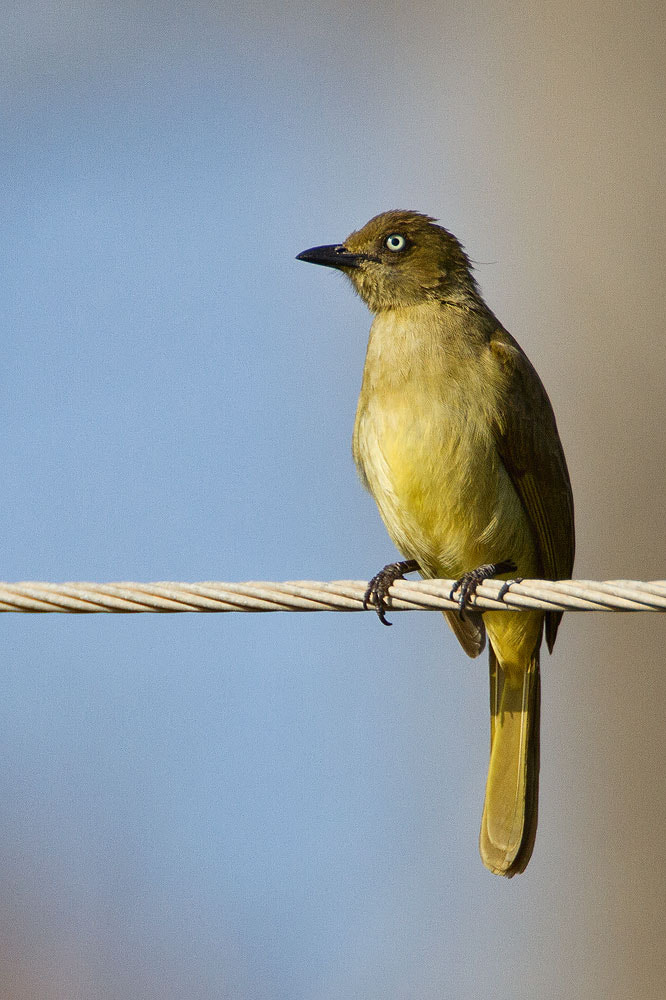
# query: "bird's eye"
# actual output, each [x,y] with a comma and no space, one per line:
[395,242]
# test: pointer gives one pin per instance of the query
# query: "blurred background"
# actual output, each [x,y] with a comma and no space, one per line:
[287,806]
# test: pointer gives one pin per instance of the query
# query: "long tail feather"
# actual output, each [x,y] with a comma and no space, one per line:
[509,822]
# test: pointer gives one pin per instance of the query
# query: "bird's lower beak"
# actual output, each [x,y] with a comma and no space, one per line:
[331,256]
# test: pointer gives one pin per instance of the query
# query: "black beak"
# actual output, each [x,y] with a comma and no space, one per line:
[332,256]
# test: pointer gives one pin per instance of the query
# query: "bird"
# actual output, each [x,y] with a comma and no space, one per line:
[456,440]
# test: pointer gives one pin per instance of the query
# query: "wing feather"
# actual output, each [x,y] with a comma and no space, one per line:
[530,448]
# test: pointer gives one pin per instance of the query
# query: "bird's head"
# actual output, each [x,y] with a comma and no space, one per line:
[400,259]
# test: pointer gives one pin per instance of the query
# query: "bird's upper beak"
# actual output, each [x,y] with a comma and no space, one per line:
[335,255]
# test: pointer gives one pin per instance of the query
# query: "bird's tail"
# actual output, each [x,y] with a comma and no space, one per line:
[509,822]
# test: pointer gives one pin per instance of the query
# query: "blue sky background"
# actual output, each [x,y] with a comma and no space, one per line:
[287,806]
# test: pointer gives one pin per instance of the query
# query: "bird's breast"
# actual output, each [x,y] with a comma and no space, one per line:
[424,446]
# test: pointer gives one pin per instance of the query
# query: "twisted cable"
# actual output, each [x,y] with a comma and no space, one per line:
[338,595]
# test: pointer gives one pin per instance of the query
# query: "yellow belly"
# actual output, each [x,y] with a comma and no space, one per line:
[446,498]
[440,486]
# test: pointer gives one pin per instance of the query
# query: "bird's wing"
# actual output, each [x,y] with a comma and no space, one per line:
[530,448]
[469,631]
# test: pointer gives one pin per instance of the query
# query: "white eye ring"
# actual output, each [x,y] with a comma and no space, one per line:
[395,242]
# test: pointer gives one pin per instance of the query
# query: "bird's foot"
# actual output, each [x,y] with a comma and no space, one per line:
[468,582]
[505,586]
[377,593]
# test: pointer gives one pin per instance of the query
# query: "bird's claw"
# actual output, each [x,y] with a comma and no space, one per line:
[468,582]
[506,585]
[377,591]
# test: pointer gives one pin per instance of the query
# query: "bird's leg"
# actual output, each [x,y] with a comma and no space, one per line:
[468,582]
[377,592]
